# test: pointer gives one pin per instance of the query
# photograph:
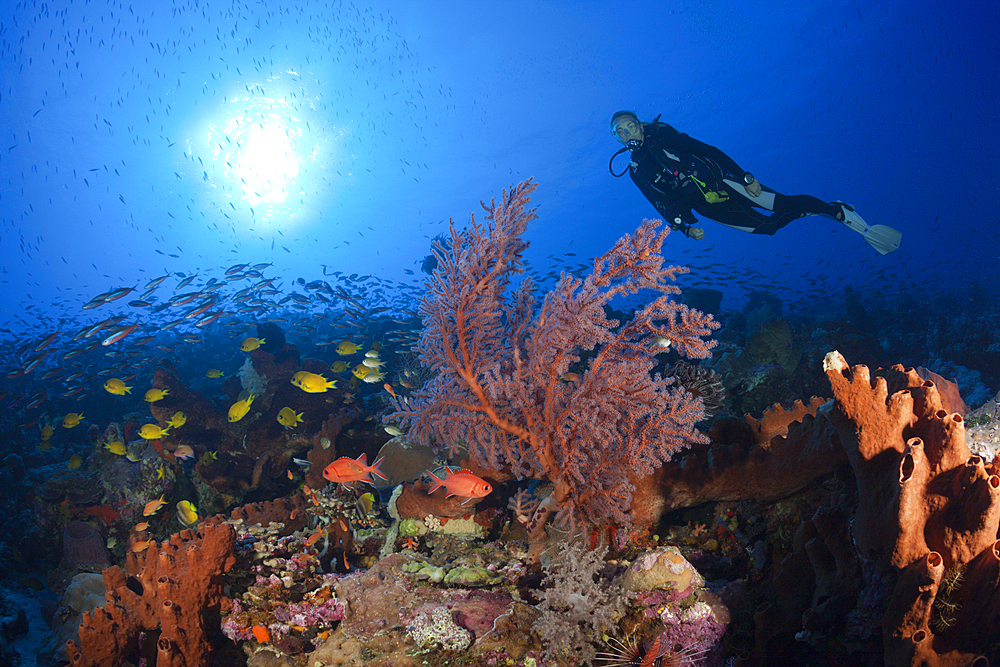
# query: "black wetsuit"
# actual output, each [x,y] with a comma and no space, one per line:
[675,172]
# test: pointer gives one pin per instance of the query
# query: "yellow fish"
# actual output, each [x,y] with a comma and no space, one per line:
[316,384]
[346,348]
[134,454]
[153,432]
[365,503]
[239,409]
[72,419]
[47,431]
[208,458]
[154,395]
[297,378]
[360,371]
[213,373]
[288,418]
[339,366]
[153,506]
[187,513]
[178,420]
[161,472]
[251,344]
[116,447]
[116,386]
[74,462]
[44,446]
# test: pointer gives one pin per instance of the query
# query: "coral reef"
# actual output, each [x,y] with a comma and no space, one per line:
[253,451]
[499,389]
[175,588]
[578,606]
[83,547]
[926,506]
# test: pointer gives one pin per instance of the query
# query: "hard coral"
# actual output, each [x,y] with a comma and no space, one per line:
[434,627]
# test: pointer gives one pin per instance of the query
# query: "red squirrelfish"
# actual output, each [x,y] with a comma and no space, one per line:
[462,483]
[346,470]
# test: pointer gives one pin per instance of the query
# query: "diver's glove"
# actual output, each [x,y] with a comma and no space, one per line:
[696,233]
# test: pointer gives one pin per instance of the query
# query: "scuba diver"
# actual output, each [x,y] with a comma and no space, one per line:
[677,174]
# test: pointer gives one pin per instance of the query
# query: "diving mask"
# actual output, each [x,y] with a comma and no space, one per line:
[627,130]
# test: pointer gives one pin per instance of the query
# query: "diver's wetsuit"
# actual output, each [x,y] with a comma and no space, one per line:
[663,167]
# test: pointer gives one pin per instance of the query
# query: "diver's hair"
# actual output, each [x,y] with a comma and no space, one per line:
[624,112]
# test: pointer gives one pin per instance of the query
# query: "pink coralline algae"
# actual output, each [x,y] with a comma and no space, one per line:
[232,629]
[697,628]
[302,613]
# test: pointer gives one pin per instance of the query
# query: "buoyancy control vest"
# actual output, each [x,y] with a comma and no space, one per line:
[687,175]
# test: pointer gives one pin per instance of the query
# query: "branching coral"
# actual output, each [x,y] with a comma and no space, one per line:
[499,390]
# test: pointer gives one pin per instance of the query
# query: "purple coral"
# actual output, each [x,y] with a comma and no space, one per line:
[693,631]
[231,628]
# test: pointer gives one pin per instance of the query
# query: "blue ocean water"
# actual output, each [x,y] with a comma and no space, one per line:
[331,141]
[142,141]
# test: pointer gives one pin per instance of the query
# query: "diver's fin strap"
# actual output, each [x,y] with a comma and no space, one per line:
[883,238]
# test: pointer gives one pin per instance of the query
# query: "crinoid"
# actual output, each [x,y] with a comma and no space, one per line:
[656,653]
